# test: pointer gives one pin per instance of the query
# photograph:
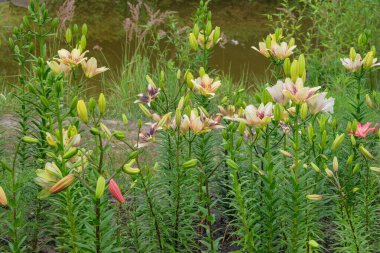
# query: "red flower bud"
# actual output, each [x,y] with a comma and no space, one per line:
[115,191]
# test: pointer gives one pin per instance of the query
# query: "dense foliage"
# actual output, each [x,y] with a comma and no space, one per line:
[207,166]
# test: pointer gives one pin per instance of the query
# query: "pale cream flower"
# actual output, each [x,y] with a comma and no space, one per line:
[282,50]
[277,94]
[72,58]
[206,85]
[258,117]
[353,65]
[58,68]
[262,49]
[319,103]
[90,68]
[297,92]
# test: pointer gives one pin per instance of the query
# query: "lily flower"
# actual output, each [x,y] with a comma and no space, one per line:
[319,103]
[90,68]
[277,94]
[48,176]
[282,50]
[230,112]
[353,65]
[297,92]
[206,85]
[262,49]
[199,123]
[258,117]
[210,40]
[150,96]
[363,130]
[72,58]
[149,136]
[58,68]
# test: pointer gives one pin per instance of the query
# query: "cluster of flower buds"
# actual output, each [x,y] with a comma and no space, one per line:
[355,62]
[82,108]
[68,60]
[205,39]
[295,69]
[274,46]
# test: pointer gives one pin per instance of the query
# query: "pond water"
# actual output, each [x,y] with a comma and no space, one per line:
[243,22]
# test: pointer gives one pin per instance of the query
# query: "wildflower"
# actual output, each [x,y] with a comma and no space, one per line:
[58,68]
[369,60]
[115,191]
[319,103]
[230,112]
[198,123]
[258,117]
[262,49]
[352,65]
[90,68]
[72,58]
[363,130]
[150,96]
[277,94]
[282,50]
[3,197]
[48,176]
[147,137]
[206,85]
[297,92]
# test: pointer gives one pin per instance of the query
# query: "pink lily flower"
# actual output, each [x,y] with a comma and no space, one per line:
[363,130]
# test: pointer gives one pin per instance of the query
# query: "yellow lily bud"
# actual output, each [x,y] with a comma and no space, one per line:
[193,42]
[125,119]
[314,197]
[286,153]
[356,168]
[294,70]
[368,101]
[375,169]
[292,42]
[313,244]
[352,54]
[303,111]
[30,140]
[216,34]
[329,172]
[82,111]
[202,72]
[102,103]
[337,142]
[68,35]
[189,164]
[366,153]
[208,28]
[84,29]
[145,110]
[100,186]
[302,65]
[335,164]
[286,67]
[196,30]
[315,167]
[232,164]
[189,77]
[368,60]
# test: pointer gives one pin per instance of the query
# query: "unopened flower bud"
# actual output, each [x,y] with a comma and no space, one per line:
[102,103]
[315,167]
[62,184]
[139,123]
[216,34]
[314,197]
[368,60]
[232,164]
[368,101]
[303,111]
[335,164]
[3,197]
[190,164]
[353,140]
[329,173]
[68,35]
[375,169]
[193,42]
[82,111]
[356,168]
[277,112]
[145,110]
[310,133]
[337,142]
[83,43]
[355,189]
[286,153]
[30,140]
[313,244]
[202,72]
[178,117]
[354,126]
[84,29]
[292,42]
[94,131]
[100,187]
[286,67]
[70,153]
[366,153]
[350,159]
[241,128]
[208,28]
[115,191]
[302,65]
[118,135]
[125,119]
[189,78]
[294,70]
[196,30]
[352,54]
